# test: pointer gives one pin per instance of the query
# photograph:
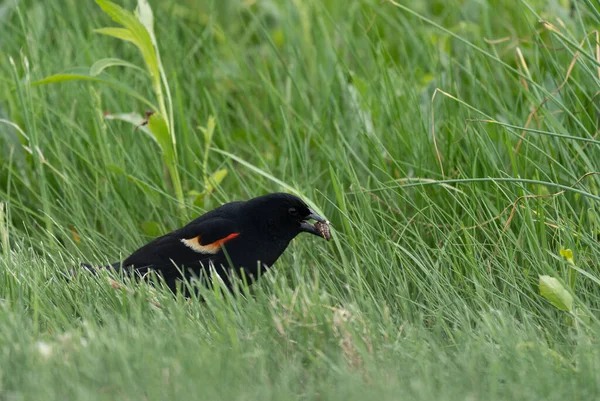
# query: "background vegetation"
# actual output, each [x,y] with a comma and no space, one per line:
[454,145]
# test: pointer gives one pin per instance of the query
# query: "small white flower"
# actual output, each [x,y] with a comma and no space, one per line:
[44,349]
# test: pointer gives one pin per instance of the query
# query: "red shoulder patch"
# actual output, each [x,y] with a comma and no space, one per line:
[224,240]
[212,248]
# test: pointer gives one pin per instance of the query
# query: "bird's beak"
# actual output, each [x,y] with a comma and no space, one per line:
[315,216]
[308,227]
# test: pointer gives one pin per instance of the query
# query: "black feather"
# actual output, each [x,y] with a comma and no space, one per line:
[259,229]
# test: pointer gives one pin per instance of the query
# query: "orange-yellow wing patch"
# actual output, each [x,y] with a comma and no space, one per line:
[212,248]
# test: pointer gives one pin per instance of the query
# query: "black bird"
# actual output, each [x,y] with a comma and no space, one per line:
[244,235]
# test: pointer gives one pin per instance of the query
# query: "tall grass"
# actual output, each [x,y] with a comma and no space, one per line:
[453,145]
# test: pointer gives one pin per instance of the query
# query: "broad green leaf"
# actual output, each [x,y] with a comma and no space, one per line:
[65,77]
[139,35]
[146,17]
[158,126]
[134,119]
[215,180]
[119,33]
[82,74]
[556,293]
[99,66]
[117,13]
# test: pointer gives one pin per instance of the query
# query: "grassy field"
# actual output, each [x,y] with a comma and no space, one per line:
[454,144]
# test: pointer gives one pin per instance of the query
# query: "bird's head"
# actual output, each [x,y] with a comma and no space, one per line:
[286,215]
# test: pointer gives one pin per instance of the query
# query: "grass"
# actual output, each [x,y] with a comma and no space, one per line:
[454,145]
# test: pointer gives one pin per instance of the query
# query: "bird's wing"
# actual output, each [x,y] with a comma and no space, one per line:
[197,242]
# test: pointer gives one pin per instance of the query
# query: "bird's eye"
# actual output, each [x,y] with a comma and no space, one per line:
[293,211]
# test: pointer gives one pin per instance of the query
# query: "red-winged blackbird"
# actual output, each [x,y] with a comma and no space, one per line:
[248,236]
